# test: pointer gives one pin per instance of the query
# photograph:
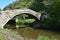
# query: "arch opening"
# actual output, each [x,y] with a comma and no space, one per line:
[12,21]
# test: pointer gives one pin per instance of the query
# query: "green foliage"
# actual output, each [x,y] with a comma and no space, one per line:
[32,4]
[30,20]
[43,38]
[19,21]
[52,11]
[55,15]
[2,37]
[37,5]
[19,4]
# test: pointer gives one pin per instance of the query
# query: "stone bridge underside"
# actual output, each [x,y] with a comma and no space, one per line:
[7,15]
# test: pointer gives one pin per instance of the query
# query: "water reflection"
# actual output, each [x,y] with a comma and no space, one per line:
[35,33]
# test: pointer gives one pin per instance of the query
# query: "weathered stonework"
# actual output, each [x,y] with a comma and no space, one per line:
[5,16]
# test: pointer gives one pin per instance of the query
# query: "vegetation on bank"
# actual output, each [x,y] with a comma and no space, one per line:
[8,34]
[10,31]
[45,38]
[2,37]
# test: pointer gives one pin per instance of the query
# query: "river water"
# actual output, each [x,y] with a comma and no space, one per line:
[34,34]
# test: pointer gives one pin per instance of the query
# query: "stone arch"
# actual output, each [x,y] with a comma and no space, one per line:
[13,19]
[27,14]
[9,14]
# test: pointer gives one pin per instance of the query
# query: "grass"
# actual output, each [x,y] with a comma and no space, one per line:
[2,37]
[43,38]
[11,31]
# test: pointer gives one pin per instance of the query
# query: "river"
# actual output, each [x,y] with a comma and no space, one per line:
[34,34]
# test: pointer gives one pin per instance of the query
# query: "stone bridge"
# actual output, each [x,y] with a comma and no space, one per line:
[7,15]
